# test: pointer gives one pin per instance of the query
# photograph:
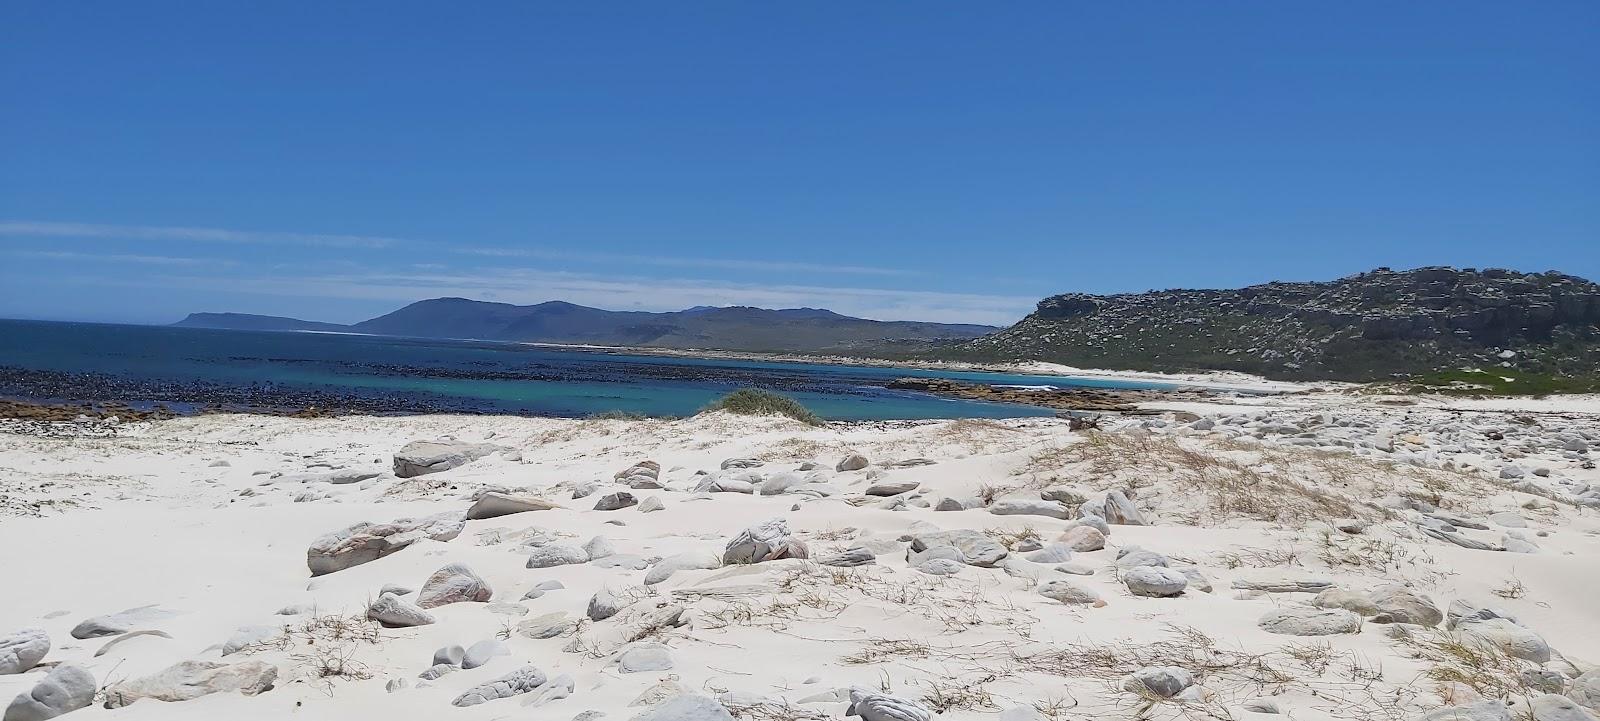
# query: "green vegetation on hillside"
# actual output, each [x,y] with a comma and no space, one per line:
[1500,381]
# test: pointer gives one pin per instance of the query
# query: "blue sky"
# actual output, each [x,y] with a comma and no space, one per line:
[939,161]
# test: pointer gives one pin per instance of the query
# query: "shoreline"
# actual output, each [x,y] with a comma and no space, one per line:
[1226,381]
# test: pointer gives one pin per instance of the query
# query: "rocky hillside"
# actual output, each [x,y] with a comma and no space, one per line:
[1379,325]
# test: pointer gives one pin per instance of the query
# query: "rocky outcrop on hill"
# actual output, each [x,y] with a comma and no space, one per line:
[1369,326]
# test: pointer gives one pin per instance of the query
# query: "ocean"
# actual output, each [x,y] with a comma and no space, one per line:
[188,369]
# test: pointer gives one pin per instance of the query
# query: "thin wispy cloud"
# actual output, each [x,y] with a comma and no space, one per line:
[67,255]
[44,229]
[96,231]
[668,261]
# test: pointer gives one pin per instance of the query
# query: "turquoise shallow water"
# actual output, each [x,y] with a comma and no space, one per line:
[188,366]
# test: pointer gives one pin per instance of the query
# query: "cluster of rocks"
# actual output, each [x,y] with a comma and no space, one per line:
[1121,400]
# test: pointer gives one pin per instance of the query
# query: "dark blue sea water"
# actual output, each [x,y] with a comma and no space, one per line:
[191,368]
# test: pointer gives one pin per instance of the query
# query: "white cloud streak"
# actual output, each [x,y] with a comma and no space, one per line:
[48,229]
[670,261]
[70,256]
[41,229]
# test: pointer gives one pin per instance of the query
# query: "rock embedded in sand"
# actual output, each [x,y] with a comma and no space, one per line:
[1586,689]
[366,542]
[120,622]
[1083,539]
[702,560]
[483,652]
[249,636]
[1134,556]
[599,547]
[1487,710]
[1395,603]
[781,483]
[396,612]
[1064,494]
[615,501]
[641,470]
[1346,599]
[66,688]
[651,503]
[873,706]
[453,583]
[687,707]
[419,458]
[766,541]
[23,649]
[892,488]
[494,505]
[1029,507]
[192,679]
[557,554]
[1116,508]
[940,567]
[1051,554]
[1158,681]
[850,557]
[1070,593]
[1506,635]
[449,655]
[641,657]
[1282,582]
[1154,581]
[517,682]
[1305,621]
[976,548]
[606,603]
[549,625]
[438,671]
[1553,707]
[1197,578]
[852,462]
[951,553]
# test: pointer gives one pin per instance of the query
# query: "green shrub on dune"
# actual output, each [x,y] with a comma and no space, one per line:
[757,402]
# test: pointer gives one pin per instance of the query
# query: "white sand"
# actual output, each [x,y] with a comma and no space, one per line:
[98,525]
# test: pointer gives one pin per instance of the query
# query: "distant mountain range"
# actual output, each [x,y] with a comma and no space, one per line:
[793,330]
[1378,325]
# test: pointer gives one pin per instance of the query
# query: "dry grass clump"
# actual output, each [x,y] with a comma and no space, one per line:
[1512,588]
[955,604]
[1458,659]
[979,435]
[1233,479]
[324,647]
[954,694]
[1338,550]
[1252,557]
[1349,683]
[799,449]
[1011,538]
[773,711]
